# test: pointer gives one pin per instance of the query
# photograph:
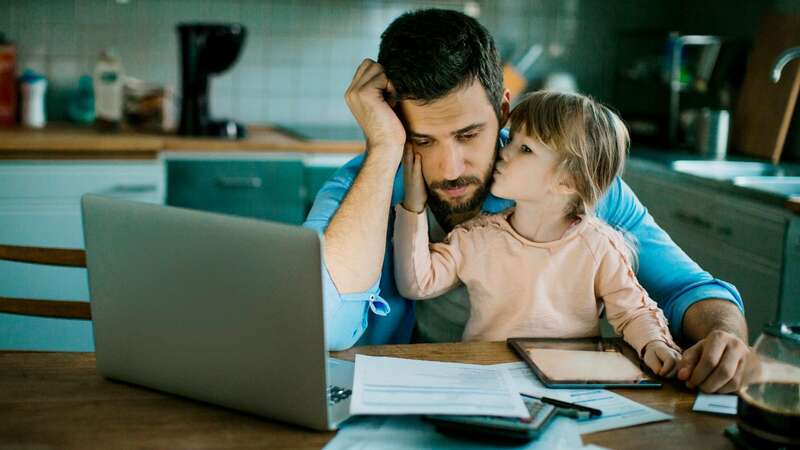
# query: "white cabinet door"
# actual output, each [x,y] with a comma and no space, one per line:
[40,206]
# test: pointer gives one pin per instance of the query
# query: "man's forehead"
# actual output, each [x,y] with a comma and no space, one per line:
[452,113]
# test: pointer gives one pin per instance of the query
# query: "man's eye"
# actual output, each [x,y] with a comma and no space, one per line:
[420,143]
[525,149]
[467,137]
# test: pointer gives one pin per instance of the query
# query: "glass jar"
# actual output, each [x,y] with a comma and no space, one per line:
[768,412]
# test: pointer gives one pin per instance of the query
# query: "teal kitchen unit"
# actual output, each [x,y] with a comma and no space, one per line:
[277,186]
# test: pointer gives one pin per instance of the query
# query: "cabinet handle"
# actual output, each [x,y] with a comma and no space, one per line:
[134,188]
[239,182]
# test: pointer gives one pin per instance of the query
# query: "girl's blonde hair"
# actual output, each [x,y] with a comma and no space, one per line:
[591,141]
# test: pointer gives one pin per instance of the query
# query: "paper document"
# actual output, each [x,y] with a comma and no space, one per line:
[716,403]
[407,386]
[411,432]
[618,411]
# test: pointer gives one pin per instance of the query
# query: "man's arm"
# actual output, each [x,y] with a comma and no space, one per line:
[702,310]
[714,363]
[345,314]
[702,318]
[355,240]
[668,274]
[351,211]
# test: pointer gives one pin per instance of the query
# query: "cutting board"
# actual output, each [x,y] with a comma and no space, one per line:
[764,109]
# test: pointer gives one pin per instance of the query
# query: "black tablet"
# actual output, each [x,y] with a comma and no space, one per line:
[584,363]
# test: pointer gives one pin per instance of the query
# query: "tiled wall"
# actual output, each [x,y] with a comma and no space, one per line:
[299,56]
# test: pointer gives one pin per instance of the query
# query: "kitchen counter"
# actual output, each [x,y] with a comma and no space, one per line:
[64,141]
[661,161]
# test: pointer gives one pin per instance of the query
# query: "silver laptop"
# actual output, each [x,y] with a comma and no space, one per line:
[218,308]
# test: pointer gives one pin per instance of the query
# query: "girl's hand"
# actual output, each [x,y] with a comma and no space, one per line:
[661,359]
[413,182]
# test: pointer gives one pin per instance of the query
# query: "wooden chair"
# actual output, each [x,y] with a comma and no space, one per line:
[67,309]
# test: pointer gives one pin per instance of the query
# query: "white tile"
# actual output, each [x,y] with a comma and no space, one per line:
[223,83]
[313,80]
[61,11]
[251,78]
[123,14]
[29,12]
[221,106]
[62,40]
[255,15]
[249,110]
[35,63]
[281,109]
[225,10]
[32,40]
[92,12]
[64,71]
[279,80]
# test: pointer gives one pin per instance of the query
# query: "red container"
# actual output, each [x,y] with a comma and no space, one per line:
[8,84]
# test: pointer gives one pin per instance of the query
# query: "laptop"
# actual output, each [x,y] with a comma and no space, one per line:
[221,309]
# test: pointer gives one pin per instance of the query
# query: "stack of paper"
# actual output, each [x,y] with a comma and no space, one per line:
[408,386]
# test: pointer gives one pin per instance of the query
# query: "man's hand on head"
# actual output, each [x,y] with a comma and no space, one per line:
[368,98]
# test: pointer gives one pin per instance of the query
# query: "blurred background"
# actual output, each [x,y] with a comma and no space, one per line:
[299,56]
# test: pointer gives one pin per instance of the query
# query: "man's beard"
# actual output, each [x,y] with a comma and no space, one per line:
[448,214]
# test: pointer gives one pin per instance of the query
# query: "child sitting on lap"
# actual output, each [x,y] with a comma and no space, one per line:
[545,267]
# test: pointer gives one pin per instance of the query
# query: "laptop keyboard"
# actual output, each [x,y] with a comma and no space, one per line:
[337,394]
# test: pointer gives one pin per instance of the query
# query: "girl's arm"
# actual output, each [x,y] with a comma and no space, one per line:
[629,309]
[421,270]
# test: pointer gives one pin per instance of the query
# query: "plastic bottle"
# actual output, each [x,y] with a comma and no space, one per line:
[81,103]
[34,87]
[108,82]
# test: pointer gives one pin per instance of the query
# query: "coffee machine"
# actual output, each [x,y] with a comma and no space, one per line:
[206,50]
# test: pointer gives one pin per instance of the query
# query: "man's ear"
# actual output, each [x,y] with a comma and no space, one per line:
[505,107]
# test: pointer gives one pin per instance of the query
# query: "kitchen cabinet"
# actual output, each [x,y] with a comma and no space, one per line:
[277,187]
[269,189]
[755,246]
[40,206]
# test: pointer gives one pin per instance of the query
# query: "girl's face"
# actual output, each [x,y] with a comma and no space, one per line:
[526,171]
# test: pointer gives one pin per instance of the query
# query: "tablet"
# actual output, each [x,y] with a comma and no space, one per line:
[584,363]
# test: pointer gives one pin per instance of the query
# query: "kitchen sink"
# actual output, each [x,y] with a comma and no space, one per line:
[728,170]
[786,186]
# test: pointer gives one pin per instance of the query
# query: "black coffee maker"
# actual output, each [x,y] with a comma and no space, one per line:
[206,49]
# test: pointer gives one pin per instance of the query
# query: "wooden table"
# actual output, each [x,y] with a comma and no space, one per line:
[57,400]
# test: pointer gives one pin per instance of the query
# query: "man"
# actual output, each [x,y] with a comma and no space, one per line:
[437,90]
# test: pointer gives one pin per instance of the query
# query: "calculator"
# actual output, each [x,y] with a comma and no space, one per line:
[510,428]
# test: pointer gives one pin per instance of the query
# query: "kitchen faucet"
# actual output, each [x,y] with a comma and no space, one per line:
[783,59]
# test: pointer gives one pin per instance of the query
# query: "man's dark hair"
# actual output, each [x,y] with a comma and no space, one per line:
[429,53]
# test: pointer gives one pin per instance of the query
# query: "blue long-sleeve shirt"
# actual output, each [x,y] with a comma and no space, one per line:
[381,316]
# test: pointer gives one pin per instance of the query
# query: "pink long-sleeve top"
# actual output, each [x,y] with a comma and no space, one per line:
[521,288]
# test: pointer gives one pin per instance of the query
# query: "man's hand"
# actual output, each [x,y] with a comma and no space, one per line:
[714,364]
[661,358]
[368,98]
[413,182]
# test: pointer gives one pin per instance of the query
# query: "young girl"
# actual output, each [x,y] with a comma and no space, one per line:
[546,267]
